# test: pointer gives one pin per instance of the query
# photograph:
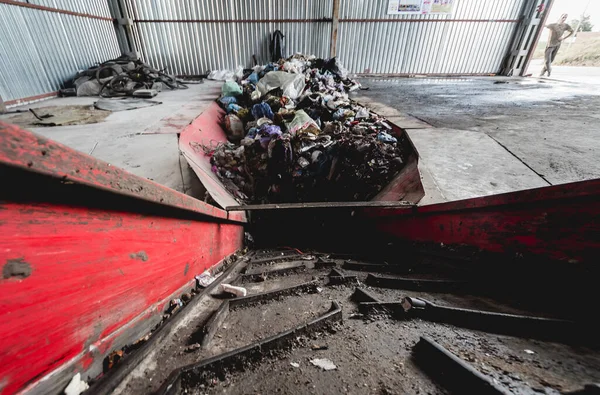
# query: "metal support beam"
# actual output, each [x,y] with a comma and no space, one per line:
[52,9]
[334,27]
[524,40]
[532,45]
[2,106]
[123,27]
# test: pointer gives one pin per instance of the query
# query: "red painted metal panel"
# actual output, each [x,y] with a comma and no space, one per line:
[406,185]
[78,282]
[206,131]
[561,222]
[75,278]
[25,150]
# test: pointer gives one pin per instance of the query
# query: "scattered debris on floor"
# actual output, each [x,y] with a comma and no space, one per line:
[55,116]
[205,279]
[124,104]
[232,289]
[123,76]
[317,347]
[295,136]
[193,347]
[76,386]
[112,359]
[174,305]
[323,363]
[283,325]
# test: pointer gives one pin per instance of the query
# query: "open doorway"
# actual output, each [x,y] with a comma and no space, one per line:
[578,58]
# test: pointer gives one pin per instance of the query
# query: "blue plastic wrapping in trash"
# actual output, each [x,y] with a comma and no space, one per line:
[253,78]
[252,133]
[261,110]
[269,67]
[226,100]
[339,114]
[386,138]
[232,107]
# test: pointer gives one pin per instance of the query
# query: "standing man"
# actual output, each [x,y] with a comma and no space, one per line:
[557,30]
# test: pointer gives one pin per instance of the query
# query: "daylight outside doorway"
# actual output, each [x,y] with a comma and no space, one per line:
[578,59]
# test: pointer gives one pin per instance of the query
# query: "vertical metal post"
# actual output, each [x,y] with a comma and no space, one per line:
[526,35]
[334,27]
[123,26]
[2,106]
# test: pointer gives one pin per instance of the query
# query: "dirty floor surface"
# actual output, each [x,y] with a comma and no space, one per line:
[143,141]
[372,352]
[495,135]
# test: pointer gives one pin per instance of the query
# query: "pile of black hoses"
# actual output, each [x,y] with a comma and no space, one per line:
[124,75]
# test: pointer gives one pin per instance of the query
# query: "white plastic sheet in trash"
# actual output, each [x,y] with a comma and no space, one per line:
[221,75]
[226,75]
[291,84]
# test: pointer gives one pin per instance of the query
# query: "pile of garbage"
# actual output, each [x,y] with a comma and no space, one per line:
[123,76]
[295,136]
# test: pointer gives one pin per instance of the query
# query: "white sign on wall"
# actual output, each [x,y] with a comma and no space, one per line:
[442,6]
[397,7]
[420,7]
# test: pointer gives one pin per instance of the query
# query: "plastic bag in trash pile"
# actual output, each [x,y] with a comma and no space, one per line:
[226,75]
[290,84]
[295,136]
[231,88]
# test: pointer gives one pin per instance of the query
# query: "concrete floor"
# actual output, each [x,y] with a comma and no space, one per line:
[494,135]
[142,141]
[476,136]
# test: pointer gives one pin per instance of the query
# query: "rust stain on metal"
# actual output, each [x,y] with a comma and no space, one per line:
[380,20]
[16,268]
[51,9]
[232,20]
[30,98]
[142,256]
[334,28]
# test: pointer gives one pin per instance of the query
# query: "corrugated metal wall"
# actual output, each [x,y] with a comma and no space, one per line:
[41,49]
[194,36]
[473,40]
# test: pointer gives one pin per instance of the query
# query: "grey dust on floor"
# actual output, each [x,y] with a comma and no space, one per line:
[143,141]
[360,353]
[495,135]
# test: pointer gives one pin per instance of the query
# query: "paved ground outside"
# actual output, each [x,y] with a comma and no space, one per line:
[580,74]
